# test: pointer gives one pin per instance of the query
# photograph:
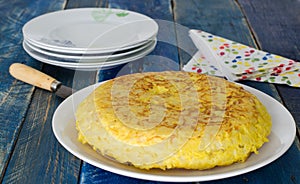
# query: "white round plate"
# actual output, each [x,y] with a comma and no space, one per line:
[81,30]
[84,65]
[88,51]
[281,138]
[89,57]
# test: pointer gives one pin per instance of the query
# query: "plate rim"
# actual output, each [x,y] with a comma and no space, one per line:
[87,57]
[49,46]
[93,66]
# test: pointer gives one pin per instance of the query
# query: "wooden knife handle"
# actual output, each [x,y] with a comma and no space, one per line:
[32,76]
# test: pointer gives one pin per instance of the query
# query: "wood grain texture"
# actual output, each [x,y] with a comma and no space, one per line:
[85,4]
[283,170]
[277,26]
[165,55]
[38,149]
[93,175]
[226,19]
[29,152]
[15,96]
[220,17]
[37,156]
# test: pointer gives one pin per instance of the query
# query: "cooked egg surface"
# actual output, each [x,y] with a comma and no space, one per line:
[173,120]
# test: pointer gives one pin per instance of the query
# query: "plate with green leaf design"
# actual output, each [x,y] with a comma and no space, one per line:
[90,30]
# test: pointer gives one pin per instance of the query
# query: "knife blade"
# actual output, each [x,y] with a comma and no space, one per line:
[36,78]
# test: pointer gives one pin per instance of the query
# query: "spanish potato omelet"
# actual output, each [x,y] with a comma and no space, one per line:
[172,120]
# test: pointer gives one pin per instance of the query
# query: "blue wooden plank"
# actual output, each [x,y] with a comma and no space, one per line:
[85,4]
[226,19]
[36,146]
[218,17]
[92,174]
[277,31]
[165,55]
[15,96]
[276,25]
[50,169]
[37,156]
[233,26]
[222,18]
[283,170]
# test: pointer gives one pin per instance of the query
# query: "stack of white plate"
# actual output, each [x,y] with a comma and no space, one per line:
[89,38]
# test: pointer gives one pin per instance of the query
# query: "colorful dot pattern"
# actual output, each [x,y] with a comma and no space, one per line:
[241,59]
[200,64]
[241,62]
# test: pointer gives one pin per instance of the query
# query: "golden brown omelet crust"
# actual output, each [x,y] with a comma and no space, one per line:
[221,122]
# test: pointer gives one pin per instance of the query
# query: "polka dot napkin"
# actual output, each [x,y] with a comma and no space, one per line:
[222,57]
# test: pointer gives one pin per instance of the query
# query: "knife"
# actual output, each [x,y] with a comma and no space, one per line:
[36,78]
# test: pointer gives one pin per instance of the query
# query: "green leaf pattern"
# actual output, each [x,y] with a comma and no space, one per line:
[102,14]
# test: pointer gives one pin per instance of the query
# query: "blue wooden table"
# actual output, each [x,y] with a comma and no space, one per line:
[29,151]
